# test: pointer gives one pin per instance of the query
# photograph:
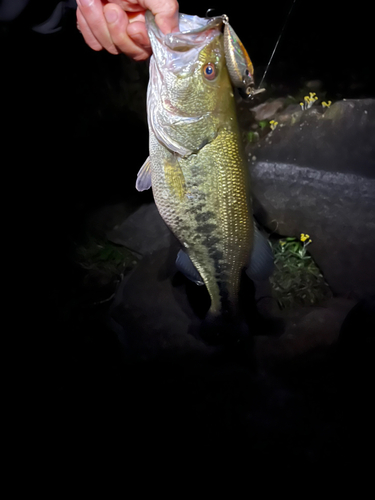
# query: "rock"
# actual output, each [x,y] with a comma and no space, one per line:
[290,115]
[268,110]
[309,333]
[104,219]
[152,315]
[354,351]
[317,176]
[294,114]
[143,232]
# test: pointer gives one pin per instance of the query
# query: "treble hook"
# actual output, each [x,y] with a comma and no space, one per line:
[210,10]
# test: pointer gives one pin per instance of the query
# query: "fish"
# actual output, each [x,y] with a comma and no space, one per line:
[196,165]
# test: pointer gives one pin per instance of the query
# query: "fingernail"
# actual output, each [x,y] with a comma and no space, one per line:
[110,15]
[85,3]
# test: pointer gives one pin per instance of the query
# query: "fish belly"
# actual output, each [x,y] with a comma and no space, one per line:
[203,198]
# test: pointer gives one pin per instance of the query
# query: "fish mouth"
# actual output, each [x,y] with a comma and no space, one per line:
[194,30]
[178,52]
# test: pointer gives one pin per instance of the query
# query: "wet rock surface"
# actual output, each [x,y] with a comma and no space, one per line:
[143,232]
[338,139]
[267,110]
[316,175]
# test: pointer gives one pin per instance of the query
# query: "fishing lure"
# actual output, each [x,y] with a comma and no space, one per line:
[240,67]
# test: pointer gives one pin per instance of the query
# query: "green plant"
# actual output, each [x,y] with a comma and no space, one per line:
[102,255]
[252,137]
[297,281]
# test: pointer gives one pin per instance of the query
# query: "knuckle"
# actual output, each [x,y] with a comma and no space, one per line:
[170,9]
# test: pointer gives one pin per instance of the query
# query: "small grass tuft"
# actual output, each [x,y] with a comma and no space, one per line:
[297,280]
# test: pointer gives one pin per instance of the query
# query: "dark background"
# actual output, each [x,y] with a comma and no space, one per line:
[74,137]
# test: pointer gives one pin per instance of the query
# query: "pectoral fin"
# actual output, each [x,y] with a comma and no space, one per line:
[144,176]
[174,178]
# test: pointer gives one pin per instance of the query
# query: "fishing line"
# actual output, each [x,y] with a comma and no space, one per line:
[277,43]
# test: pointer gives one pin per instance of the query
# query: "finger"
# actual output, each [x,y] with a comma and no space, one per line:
[137,29]
[166,14]
[165,11]
[137,48]
[138,32]
[92,11]
[89,38]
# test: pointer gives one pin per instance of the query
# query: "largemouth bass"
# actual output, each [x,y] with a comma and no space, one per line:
[196,166]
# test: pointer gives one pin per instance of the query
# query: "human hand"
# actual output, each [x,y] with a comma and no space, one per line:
[119,26]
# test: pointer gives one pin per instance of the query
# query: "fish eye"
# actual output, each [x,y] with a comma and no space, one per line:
[209,71]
